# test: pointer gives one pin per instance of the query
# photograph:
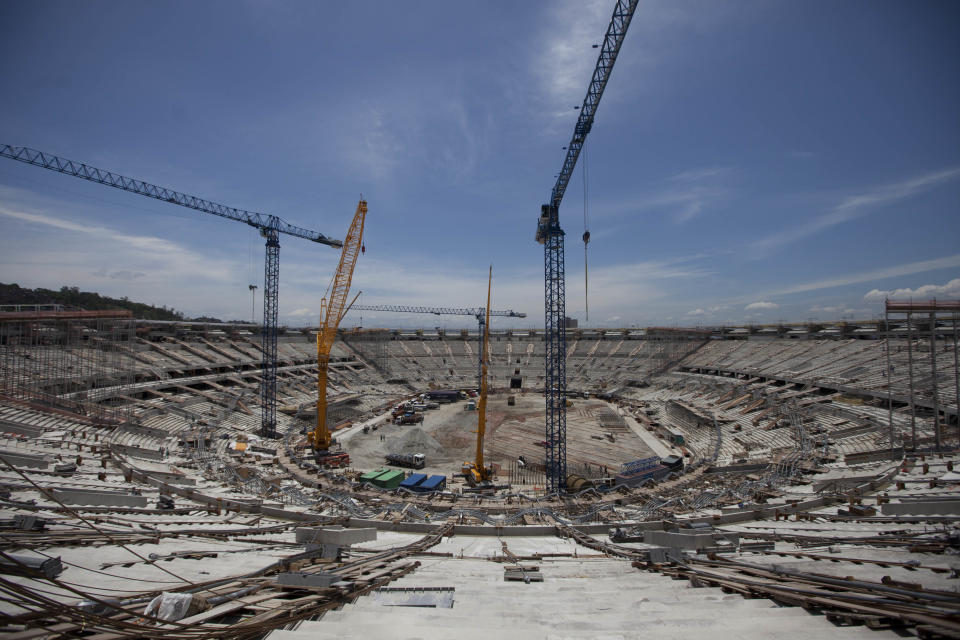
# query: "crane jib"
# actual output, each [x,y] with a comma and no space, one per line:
[622,14]
[133,185]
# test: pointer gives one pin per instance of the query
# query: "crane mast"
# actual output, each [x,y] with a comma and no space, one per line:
[334,310]
[550,235]
[270,228]
[482,405]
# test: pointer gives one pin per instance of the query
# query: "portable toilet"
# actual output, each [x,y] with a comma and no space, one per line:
[414,480]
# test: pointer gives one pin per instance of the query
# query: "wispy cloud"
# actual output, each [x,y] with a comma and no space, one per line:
[566,59]
[856,206]
[100,258]
[909,268]
[686,196]
[697,175]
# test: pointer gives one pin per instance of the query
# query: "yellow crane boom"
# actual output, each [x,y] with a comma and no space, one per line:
[476,472]
[332,313]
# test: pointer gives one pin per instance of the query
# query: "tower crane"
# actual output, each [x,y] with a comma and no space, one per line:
[550,235]
[476,472]
[479,313]
[335,308]
[270,228]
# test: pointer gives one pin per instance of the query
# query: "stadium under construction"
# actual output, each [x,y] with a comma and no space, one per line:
[809,474]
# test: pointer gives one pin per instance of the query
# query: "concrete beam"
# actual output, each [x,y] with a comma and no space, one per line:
[335,535]
[100,498]
[932,508]
[26,460]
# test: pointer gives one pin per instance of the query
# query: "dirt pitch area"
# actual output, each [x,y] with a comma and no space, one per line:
[596,436]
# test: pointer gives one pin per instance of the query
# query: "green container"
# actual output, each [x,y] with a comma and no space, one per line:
[390,480]
[370,477]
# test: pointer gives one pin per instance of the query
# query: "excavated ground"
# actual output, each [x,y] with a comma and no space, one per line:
[448,437]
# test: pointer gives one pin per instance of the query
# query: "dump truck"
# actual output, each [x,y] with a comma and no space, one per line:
[411,460]
[409,418]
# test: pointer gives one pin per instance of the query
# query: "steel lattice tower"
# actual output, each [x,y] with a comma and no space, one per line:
[550,235]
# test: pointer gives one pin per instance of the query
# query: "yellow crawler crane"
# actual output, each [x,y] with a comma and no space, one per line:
[475,472]
[333,312]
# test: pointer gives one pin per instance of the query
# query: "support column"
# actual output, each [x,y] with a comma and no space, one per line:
[956,379]
[913,407]
[889,384]
[933,371]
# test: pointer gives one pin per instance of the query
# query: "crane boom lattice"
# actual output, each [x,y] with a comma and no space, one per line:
[335,309]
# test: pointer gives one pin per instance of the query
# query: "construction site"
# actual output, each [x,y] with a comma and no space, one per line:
[810,485]
[200,479]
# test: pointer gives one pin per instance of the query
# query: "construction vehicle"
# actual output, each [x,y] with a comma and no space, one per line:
[332,312]
[409,418]
[475,472]
[410,460]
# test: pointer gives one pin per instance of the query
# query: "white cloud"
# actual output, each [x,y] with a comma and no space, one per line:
[819,309]
[755,306]
[924,292]
[856,206]
[697,312]
[563,68]
[301,312]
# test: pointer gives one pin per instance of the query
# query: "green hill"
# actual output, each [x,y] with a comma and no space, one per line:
[72,296]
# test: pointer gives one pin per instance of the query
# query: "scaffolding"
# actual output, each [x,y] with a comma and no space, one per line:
[61,361]
[370,344]
[929,328]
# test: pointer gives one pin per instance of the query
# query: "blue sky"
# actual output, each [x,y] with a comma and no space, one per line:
[750,161]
